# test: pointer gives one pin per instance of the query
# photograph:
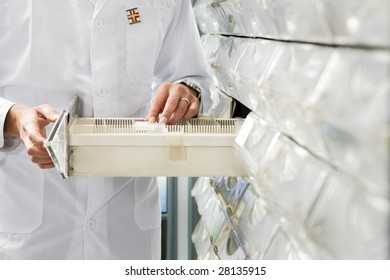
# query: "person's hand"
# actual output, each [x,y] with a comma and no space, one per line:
[28,124]
[174,102]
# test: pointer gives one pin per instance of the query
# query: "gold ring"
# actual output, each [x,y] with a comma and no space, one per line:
[186,100]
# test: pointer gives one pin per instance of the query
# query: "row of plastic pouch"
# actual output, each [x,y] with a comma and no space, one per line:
[321,83]
[269,233]
[230,191]
[294,176]
[359,22]
[217,200]
[348,22]
[251,230]
[246,215]
[343,224]
[209,206]
[246,230]
[350,108]
[351,22]
[336,215]
[225,246]
[227,190]
[350,222]
[334,101]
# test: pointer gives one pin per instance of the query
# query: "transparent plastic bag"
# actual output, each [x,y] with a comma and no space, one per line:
[350,112]
[201,239]
[227,247]
[359,22]
[205,18]
[349,222]
[302,20]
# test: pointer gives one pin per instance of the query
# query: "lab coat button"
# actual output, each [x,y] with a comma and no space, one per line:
[101,92]
[99,24]
[91,223]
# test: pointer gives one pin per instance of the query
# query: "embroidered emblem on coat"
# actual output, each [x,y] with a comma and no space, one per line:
[133,16]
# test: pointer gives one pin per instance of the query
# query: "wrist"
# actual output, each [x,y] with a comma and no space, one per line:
[195,89]
[11,121]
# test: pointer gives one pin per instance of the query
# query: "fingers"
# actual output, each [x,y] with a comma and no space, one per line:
[33,142]
[35,126]
[158,103]
[47,112]
[192,110]
[40,157]
[179,112]
[174,102]
[170,107]
[32,131]
[43,162]
[38,153]
[30,123]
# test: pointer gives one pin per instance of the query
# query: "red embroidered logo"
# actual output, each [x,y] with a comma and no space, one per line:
[133,16]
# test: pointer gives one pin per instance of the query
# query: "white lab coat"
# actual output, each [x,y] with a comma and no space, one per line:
[51,50]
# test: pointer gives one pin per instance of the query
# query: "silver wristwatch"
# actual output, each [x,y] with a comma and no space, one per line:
[192,86]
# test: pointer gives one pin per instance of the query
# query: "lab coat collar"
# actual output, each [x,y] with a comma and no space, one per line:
[99,5]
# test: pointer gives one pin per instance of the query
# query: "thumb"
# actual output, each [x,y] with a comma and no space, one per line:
[47,112]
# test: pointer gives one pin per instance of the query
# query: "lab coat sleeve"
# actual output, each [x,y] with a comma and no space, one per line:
[181,56]
[6,144]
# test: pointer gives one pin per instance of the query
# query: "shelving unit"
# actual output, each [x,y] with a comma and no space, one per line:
[316,76]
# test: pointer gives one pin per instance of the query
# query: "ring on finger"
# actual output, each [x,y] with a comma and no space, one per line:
[186,100]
